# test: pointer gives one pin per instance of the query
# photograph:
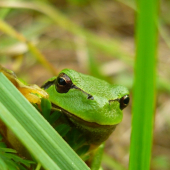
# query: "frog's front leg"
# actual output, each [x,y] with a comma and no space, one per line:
[95,162]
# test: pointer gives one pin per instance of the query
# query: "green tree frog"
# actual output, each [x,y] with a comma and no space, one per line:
[87,109]
[91,105]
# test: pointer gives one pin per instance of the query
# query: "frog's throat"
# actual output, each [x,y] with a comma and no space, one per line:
[94,132]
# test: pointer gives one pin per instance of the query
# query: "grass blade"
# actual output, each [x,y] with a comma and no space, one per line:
[5,27]
[111,163]
[109,46]
[144,86]
[34,132]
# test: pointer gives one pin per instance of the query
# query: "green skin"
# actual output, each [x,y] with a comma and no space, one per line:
[92,105]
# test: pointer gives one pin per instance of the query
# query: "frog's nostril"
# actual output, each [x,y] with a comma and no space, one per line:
[90,97]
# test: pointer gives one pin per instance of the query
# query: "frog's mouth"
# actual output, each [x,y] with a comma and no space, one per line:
[81,121]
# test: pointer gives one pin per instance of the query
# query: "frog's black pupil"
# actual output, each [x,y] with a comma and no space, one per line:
[126,100]
[61,81]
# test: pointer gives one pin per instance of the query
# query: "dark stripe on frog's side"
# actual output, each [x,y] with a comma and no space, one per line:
[50,83]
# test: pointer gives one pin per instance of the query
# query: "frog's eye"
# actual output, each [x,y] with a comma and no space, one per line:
[63,83]
[124,101]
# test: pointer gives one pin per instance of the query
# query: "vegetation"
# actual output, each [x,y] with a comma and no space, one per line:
[39,38]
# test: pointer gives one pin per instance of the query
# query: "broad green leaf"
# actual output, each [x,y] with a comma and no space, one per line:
[35,133]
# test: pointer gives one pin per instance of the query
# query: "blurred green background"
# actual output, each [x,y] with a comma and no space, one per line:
[93,37]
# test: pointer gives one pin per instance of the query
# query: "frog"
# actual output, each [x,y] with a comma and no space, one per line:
[91,105]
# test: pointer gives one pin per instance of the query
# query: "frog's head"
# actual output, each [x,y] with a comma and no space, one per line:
[86,99]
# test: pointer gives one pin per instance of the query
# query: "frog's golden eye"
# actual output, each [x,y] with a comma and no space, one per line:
[124,101]
[63,83]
